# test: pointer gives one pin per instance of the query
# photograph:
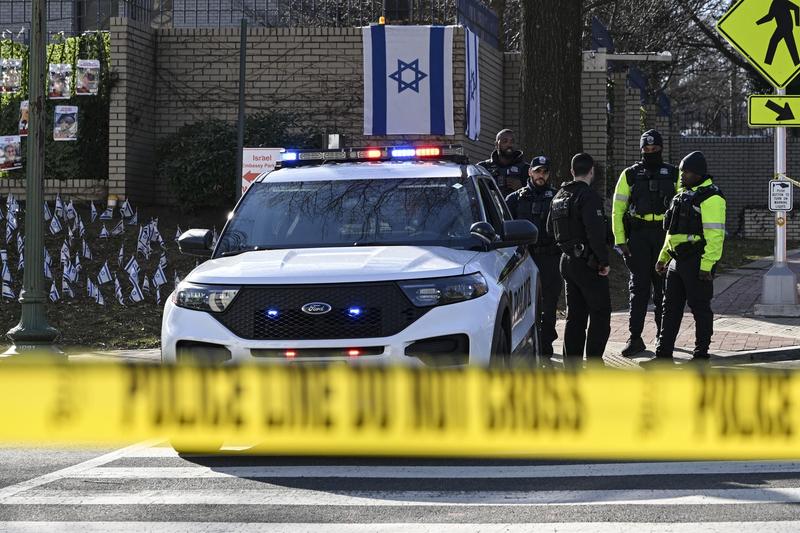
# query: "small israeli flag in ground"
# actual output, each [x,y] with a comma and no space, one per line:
[118,291]
[162,261]
[134,220]
[21,263]
[48,274]
[55,225]
[105,274]
[78,266]
[11,220]
[47,259]
[119,229]
[70,211]
[121,255]
[3,255]
[2,217]
[146,285]
[177,233]
[99,299]
[408,80]
[6,273]
[72,274]
[108,214]
[158,295]
[136,293]
[132,268]
[66,290]
[8,292]
[59,206]
[177,279]
[159,278]
[126,211]
[20,243]
[64,258]
[93,215]
[80,228]
[53,293]
[47,214]
[473,85]
[87,253]
[9,233]
[103,233]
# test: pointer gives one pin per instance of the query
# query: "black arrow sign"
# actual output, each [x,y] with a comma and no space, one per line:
[784,112]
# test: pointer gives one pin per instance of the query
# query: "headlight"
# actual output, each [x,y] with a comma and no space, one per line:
[443,291]
[213,298]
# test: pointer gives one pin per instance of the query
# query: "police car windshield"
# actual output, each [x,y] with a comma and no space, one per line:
[381,212]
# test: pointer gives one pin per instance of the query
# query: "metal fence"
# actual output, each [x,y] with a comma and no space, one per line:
[73,17]
[717,124]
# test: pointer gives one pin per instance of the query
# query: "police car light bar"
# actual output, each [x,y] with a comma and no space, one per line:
[406,153]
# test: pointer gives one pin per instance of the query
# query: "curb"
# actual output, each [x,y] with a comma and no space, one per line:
[768,355]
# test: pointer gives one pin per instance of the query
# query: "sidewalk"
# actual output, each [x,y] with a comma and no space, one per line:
[740,337]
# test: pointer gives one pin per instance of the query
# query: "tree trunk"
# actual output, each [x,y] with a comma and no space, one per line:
[550,81]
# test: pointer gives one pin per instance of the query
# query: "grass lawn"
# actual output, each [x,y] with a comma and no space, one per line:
[81,321]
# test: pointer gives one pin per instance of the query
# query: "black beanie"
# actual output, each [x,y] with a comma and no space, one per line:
[651,138]
[695,162]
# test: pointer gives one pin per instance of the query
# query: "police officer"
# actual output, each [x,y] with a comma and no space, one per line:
[695,224]
[643,193]
[578,222]
[532,202]
[506,165]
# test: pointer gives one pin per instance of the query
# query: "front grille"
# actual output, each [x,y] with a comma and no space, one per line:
[384,311]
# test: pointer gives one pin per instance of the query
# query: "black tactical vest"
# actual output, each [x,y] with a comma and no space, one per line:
[566,220]
[534,206]
[651,190]
[684,216]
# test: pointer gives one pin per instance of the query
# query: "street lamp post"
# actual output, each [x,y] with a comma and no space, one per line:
[33,335]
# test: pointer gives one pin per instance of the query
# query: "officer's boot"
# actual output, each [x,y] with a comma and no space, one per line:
[635,346]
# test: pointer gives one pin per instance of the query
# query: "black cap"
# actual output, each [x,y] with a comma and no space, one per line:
[651,138]
[540,161]
[695,162]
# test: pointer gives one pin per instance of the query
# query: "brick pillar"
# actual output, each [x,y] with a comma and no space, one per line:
[132,111]
[633,126]
[594,119]
[662,125]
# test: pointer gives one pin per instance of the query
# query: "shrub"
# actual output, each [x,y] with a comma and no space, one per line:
[199,160]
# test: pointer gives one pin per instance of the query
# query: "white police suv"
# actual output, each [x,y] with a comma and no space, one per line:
[384,255]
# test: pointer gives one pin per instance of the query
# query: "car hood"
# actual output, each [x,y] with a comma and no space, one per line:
[333,265]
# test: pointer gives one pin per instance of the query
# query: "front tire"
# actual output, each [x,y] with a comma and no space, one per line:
[500,358]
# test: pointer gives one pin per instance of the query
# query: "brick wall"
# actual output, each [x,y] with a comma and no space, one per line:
[512,98]
[77,189]
[133,116]
[594,116]
[742,167]
[760,224]
[492,103]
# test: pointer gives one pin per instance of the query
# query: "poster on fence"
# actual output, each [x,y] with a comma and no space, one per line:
[66,123]
[10,154]
[88,77]
[60,81]
[24,110]
[256,161]
[11,75]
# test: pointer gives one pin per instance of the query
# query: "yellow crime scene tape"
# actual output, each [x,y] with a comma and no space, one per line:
[342,410]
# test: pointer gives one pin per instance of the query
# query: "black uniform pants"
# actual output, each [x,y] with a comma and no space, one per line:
[548,265]
[682,287]
[588,299]
[645,242]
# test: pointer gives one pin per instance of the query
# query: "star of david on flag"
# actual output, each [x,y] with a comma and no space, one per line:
[473,85]
[408,80]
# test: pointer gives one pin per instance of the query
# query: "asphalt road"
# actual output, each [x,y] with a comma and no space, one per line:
[151,488]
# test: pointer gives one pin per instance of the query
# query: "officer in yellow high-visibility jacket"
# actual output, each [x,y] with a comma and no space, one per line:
[695,224]
[642,195]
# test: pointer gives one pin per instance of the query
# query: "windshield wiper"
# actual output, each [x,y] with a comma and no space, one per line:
[240,251]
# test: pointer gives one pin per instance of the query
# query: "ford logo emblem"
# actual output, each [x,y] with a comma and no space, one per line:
[316,308]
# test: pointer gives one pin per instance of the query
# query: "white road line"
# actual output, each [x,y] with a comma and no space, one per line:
[447,472]
[244,527]
[13,490]
[274,495]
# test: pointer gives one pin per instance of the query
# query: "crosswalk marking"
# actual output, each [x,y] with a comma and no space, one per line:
[243,527]
[446,472]
[286,496]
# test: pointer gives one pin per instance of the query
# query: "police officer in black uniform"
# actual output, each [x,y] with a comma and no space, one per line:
[641,197]
[579,224]
[506,165]
[532,202]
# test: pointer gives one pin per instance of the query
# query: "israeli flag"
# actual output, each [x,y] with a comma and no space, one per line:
[93,212]
[473,86]
[53,293]
[408,80]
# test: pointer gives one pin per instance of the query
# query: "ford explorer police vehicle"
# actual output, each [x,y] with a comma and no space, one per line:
[381,255]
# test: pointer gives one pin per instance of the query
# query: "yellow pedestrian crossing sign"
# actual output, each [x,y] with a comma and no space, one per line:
[769,111]
[764,32]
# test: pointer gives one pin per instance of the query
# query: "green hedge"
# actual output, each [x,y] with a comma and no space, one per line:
[86,158]
[199,160]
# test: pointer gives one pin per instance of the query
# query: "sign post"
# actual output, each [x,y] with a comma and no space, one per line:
[763,32]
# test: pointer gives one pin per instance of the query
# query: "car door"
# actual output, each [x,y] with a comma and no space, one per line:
[513,266]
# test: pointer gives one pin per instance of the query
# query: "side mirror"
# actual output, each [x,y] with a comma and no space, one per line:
[518,233]
[483,231]
[196,242]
